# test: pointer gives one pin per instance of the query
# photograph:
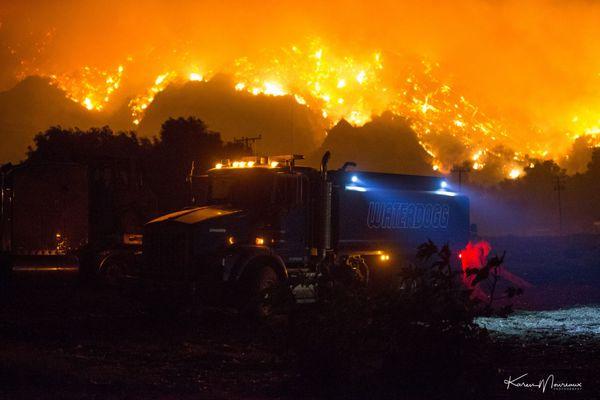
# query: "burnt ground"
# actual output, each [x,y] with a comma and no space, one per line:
[59,339]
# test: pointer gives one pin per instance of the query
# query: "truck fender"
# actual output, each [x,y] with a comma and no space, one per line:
[110,255]
[250,256]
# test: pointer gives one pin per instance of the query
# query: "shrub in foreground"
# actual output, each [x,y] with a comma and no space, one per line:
[415,334]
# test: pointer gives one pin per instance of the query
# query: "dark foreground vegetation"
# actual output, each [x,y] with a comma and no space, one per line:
[414,337]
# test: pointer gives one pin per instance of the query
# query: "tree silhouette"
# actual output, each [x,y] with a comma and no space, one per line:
[181,142]
[85,147]
[163,163]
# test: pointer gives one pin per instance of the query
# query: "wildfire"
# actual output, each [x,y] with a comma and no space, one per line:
[139,104]
[194,76]
[587,127]
[90,87]
[354,89]
[514,173]
[338,86]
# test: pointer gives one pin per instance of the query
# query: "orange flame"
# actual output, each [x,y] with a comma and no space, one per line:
[353,87]
[90,87]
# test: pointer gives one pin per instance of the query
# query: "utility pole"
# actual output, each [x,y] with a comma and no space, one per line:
[558,188]
[248,141]
[1,201]
[2,222]
[460,169]
[292,126]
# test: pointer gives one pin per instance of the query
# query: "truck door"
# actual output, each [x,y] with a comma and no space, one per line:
[291,193]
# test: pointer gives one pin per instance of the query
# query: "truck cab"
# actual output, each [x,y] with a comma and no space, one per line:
[268,221]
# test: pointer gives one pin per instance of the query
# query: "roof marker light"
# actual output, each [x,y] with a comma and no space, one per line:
[356,188]
[446,193]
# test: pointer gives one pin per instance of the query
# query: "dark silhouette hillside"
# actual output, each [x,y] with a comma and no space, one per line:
[32,106]
[286,126]
[386,144]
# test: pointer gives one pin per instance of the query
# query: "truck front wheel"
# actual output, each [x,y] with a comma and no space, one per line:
[259,292]
[113,272]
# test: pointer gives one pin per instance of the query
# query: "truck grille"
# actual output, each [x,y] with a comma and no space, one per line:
[166,254]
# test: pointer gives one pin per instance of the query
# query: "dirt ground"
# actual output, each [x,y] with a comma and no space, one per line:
[71,341]
[59,339]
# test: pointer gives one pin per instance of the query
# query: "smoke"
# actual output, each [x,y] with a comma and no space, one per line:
[533,66]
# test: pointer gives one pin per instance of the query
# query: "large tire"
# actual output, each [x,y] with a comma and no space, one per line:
[258,290]
[113,272]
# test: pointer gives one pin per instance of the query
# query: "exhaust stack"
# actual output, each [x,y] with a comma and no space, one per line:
[325,213]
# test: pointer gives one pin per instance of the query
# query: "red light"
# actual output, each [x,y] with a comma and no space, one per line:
[474,255]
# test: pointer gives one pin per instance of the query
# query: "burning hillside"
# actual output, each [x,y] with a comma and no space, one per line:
[469,93]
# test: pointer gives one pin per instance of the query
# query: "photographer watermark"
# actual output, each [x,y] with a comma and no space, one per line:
[549,383]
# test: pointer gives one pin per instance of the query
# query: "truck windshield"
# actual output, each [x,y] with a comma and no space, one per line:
[241,190]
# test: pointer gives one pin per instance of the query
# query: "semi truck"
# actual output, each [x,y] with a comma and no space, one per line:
[269,222]
[62,215]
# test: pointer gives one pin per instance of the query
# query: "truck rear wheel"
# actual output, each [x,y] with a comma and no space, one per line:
[259,288]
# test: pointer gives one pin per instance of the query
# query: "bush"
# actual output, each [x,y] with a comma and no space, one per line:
[414,335]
